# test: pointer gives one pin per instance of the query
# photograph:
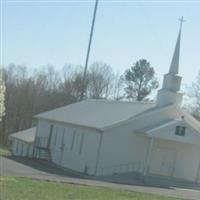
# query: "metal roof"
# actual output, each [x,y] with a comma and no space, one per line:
[27,135]
[96,114]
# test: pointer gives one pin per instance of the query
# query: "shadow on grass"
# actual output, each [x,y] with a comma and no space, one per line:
[43,166]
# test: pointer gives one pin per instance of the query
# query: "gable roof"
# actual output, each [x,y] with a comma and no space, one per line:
[27,135]
[166,130]
[96,114]
[145,114]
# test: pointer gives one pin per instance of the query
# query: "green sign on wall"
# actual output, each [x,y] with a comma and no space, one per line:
[180,130]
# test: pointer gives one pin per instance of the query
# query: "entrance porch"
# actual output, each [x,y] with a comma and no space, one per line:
[173,151]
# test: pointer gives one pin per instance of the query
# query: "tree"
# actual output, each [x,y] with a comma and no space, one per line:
[2,96]
[73,82]
[100,77]
[140,80]
[29,92]
[194,98]
[118,87]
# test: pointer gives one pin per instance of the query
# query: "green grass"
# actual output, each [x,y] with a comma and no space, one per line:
[4,151]
[26,189]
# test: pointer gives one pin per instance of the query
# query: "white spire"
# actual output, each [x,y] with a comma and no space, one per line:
[170,91]
[174,67]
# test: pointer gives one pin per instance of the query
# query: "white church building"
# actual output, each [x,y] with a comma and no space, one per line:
[101,137]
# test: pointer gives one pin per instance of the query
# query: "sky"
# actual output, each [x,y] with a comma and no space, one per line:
[38,33]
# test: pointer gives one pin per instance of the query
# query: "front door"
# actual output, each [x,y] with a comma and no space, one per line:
[163,161]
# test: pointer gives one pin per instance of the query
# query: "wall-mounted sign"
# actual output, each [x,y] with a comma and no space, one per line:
[180,130]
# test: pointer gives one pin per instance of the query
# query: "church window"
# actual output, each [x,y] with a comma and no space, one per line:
[55,138]
[81,144]
[17,150]
[73,139]
[50,135]
[180,130]
[22,149]
[63,140]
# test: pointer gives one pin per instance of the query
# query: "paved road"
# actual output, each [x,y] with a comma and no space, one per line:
[15,166]
[42,171]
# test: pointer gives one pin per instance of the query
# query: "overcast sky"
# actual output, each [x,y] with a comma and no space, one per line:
[37,33]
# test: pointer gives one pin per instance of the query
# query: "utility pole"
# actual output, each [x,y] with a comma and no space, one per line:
[83,88]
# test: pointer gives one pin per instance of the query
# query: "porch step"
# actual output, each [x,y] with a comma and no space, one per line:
[43,154]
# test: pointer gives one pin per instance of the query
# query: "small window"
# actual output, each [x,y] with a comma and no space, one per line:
[180,131]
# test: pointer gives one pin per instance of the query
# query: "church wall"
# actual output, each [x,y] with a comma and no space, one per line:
[14,147]
[20,148]
[121,147]
[122,151]
[82,157]
[187,162]
[123,144]
[71,147]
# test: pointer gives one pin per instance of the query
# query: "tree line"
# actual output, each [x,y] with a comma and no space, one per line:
[33,91]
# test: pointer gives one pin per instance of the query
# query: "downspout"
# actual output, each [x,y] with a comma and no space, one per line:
[98,153]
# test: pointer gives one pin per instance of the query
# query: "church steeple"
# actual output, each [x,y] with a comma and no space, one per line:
[174,67]
[169,94]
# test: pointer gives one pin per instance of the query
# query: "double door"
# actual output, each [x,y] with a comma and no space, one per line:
[163,161]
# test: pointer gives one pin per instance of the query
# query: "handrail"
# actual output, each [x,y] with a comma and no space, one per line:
[41,142]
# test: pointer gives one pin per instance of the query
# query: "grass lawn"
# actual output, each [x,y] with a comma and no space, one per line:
[4,151]
[26,189]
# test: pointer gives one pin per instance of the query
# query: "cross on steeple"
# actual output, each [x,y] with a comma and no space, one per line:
[181,21]
[175,59]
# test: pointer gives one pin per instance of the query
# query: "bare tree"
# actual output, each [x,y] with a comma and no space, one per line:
[31,92]
[193,104]
[100,81]
[2,96]
[118,87]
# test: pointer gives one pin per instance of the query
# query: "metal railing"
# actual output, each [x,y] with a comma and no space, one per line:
[41,142]
[120,169]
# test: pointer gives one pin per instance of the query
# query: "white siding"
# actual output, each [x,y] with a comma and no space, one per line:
[168,133]
[20,148]
[187,158]
[67,149]
[122,151]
